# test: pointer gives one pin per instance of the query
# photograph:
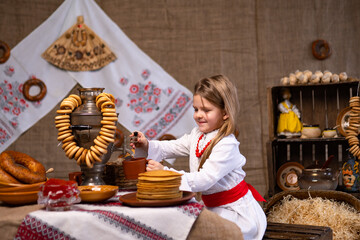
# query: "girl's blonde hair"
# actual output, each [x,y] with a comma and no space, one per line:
[221,92]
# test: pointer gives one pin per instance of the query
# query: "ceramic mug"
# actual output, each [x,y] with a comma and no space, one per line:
[76,176]
[132,167]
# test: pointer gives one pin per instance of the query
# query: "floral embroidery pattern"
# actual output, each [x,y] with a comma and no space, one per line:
[12,100]
[168,117]
[168,91]
[145,74]
[9,70]
[124,81]
[137,121]
[118,102]
[144,98]
[4,136]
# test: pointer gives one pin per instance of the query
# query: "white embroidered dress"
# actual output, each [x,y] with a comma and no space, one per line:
[222,171]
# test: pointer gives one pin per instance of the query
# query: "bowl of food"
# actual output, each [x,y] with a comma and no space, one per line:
[97,193]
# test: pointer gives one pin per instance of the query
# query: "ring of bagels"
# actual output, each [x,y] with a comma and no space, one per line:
[354,125]
[105,103]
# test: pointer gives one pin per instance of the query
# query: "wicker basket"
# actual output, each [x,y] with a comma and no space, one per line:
[114,175]
[304,194]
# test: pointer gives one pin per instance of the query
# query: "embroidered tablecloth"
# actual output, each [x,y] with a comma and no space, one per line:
[111,220]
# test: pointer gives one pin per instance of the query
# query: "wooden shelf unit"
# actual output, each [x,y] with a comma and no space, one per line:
[319,104]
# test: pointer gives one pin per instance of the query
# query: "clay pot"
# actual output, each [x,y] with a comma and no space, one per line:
[310,131]
[132,167]
[76,177]
[329,133]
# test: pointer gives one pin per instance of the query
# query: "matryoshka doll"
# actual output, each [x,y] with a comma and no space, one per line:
[351,175]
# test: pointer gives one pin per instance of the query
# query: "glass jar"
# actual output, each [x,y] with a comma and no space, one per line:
[318,179]
[58,194]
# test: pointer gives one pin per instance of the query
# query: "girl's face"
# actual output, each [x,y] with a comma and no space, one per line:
[207,116]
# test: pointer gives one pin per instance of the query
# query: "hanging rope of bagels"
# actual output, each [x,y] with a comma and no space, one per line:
[105,103]
[354,125]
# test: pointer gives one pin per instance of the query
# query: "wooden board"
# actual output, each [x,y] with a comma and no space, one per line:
[294,231]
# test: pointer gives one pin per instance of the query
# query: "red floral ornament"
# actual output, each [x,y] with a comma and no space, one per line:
[199,154]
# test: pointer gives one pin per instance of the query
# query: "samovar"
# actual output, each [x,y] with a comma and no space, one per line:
[86,124]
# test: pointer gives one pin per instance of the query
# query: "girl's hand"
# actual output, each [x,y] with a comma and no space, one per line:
[138,140]
[154,165]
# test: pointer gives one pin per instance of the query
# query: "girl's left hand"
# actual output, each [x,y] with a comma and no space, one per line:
[154,165]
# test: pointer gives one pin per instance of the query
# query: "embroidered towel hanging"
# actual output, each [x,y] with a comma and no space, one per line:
[79,49]
[147,98]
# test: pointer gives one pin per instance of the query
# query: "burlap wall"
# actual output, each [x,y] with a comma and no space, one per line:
[254,43]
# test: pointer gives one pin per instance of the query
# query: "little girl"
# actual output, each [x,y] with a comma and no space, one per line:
[214,158]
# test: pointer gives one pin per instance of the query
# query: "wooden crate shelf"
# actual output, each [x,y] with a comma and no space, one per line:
[319,104]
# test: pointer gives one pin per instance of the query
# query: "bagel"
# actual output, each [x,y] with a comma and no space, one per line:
[22,167]
[63,136]
[62,117]
[6,52]
[71,138]
[110,118]
[108,130]
[107,138]
[108,110]
[63,132]
[65,144]
[106,134]
[88,160]
[99,143]
[79,152]
[78,99]
[64,128]
[7,178]
[71,144]
[72,100]
[34,82]
[107,104]
[72,152]
[64,111]
[62,121]
[95,156]
[113,127]
[102,141]
[60,125]
[102,150]
[321,49]
[100,101]
[101,95]
[103,122]
[109,114]
[83,155]
[92,148]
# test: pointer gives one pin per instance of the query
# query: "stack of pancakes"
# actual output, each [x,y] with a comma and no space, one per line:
[158,185]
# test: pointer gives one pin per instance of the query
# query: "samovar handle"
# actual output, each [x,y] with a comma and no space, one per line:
[80,127]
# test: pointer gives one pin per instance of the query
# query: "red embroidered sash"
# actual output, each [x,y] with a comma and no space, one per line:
[232,195]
